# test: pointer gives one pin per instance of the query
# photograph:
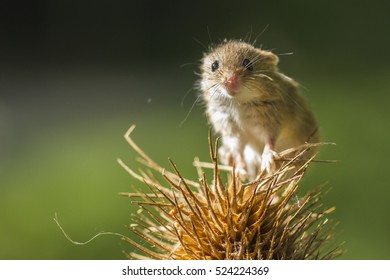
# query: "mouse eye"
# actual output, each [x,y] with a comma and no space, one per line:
[215,66]
[247,64]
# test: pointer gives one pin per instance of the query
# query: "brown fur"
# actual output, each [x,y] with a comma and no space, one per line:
[260,113]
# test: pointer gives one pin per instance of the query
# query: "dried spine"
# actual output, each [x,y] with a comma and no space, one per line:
[183,219]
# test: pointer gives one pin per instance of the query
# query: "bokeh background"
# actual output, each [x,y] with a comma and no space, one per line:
[74,75]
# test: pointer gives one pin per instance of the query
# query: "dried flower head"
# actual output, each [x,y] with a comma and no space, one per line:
[183,219]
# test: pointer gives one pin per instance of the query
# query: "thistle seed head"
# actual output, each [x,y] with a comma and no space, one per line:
[228,219]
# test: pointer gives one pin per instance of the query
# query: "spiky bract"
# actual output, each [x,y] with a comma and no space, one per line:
[264,219]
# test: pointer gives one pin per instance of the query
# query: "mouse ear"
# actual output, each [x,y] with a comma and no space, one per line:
[269,58]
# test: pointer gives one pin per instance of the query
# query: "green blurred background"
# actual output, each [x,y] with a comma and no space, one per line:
[74,75]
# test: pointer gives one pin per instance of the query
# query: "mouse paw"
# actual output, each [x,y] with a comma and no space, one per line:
[268,160]
[225,155]
[241,169]
[232,158]
[253,162]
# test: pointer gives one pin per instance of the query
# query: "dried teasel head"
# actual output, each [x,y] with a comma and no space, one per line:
[183,219]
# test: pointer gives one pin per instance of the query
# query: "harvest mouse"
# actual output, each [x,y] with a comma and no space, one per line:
[257,110]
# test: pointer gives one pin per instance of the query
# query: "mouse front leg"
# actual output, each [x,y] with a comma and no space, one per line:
[232,153]
[268,156]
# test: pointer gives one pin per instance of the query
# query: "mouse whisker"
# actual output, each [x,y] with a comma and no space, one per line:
[263,76]
[189,112]
[185,96]
[257,58]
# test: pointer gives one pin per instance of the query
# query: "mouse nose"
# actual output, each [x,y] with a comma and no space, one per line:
[231,82]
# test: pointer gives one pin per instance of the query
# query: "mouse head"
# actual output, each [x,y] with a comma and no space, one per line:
[236,69]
